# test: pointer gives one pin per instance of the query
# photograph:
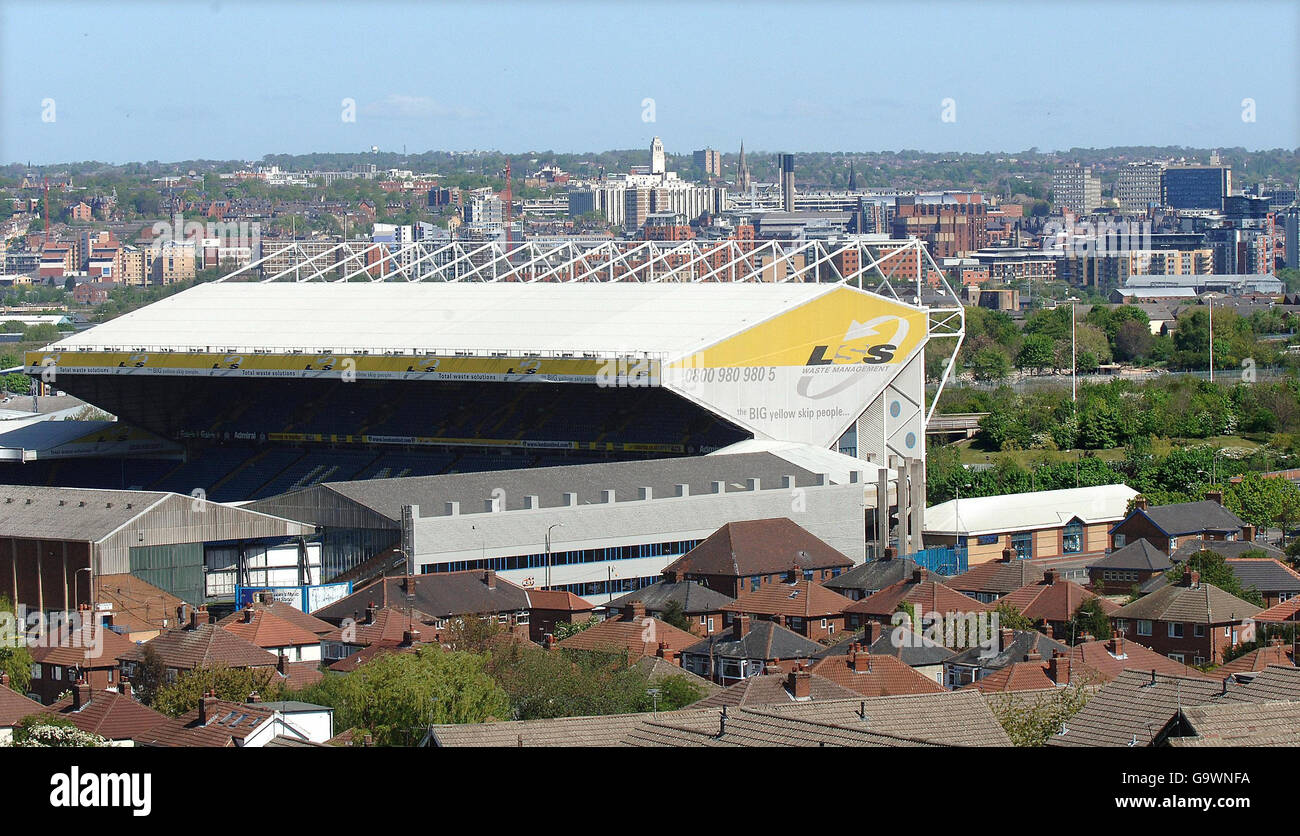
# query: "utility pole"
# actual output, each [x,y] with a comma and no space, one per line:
[1210,298]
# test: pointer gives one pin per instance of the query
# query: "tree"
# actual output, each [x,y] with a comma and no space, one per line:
[675,692]
[989,363]
[395,696]
[150,675]
[1215,571]
[1132,341]
[675,615]
[564,629]
[563,683]
[1010,618]
[15,657]
[232,684]
[1090,620]
[1032,721]
[1037,352]
[1263,502]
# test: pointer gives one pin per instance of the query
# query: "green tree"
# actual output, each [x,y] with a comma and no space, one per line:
[1214,570]
[1010,618]
[1033,720]
[1090,619]
[1264,502]
[232,684]
[150,675]
[15,659]
[675,615]
[675,692]
[1037,352]
[395,696]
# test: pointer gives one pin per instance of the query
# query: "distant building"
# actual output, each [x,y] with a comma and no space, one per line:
[1076,189]
[787,181]
[658,162]
[708,161]
[1138,187]
[1195,186]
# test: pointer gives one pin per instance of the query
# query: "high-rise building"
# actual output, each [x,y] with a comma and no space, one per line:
[1291,226]
[787,181]
[1138,186]
[1076,189]
[658,163]
[1195,186]
[709,161]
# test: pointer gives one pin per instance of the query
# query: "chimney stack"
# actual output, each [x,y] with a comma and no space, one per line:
[410,637]
[248,614]
[663,652]
[1191,578]
[1049,577]
[859,658]
[1214,496]
[1248,533]
[1006,637]
[490,578]
[80,694]
[1139,503]
[548,641]
[280,662]
[1116,643]
[871,632]
[799,683]
[370,613]
[740,627]
[890,553]
[1058,668]
[124,687]
[918,575]
[634,610]
[254,697]
[206,703]
[1008,554]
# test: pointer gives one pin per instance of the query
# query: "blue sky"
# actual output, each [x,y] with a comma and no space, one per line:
[148,81]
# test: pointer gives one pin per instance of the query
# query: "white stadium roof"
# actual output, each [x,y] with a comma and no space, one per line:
[1028,511]
[655,319]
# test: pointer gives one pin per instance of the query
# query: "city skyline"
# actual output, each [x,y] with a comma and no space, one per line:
[566,83]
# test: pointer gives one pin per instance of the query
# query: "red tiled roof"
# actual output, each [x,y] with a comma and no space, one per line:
[641,635]
[1056,601]
[228,723]
[266,629]
[388,626]
[1100,657]
[997,577]
[299,675]
[1286,611]
[558,599]
[78,649]
[882,676]
[288,612]
[1257,660]
[110,715]
[758,547]
[1018,676]
[801,599]
[137,605]
[928,596]
[369,652]
[14,707]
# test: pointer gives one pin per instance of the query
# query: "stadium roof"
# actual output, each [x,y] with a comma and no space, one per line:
[613,318]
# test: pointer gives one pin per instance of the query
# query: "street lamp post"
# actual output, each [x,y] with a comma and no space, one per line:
[548,552]
[1074,355]
[1210,299]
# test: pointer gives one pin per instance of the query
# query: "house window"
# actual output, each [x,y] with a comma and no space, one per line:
[753,583]
[1175,629]
[796,624]
[823,624]
[807,575]
[1121,540]
[703,621]
[1072,539]
[1144,628]
[1177,657]
[1023,543]
[1121,625]
[1200,660]
[710,624]
[1199,631]
[36,671]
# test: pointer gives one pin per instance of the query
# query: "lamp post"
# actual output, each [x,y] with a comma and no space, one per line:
[1210,299]
[1074,355]
[548,552]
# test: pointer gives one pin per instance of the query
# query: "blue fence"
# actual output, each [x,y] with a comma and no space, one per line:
[944,561]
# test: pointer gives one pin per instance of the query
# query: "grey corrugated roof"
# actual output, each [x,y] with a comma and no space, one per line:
[695,598]
[84,514]
[765,640]
[1139,555]
[549,484]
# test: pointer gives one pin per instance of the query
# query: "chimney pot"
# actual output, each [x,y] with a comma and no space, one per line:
[1058,668]
[1008,554]
[1140,503]
[634,610]
[124,687]
[1214,496]
[248,614]
[490,578]
[1117,643]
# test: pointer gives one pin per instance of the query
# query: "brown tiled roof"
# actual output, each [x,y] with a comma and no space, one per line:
[1286,611]
[299,675]
[110,715]
[1276,682]
[1018,676]
[641,635]
[1258,660]
[1201,604]
[138,605]
[758,547]
[1056,601]
[14,707]
[78,649]
[439,594]
[228,724]
[928,596]
[558,599]
[952,718]
[1133,710]
[997,577]
[205,646]
[288,612]
[369,652]
[801,599]
[389,626]
[883,676]
[773,687]
[1108,660]
[265,629]
[755,726]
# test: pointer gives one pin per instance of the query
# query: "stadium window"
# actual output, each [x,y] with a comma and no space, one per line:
[1072,539]
[1023,543]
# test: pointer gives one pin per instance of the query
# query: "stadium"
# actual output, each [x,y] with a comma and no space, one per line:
[240,391]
